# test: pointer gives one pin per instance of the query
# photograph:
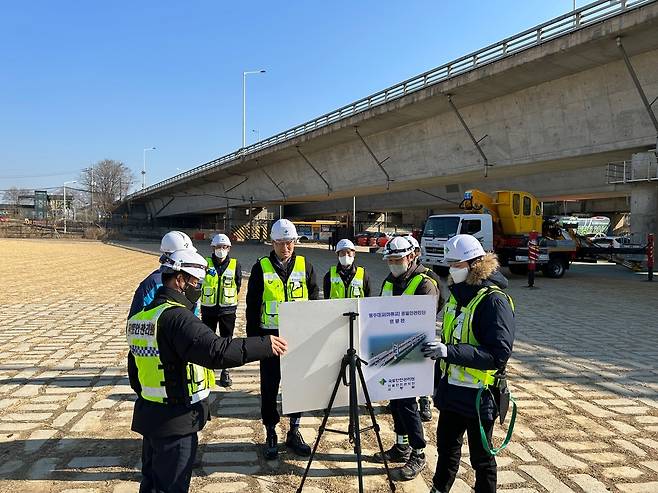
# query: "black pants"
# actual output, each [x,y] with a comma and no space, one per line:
[270,377]
[406,421]
[226,321]
[450,436]
[167,463]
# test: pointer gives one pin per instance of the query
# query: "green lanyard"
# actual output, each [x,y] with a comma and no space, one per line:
[510,428]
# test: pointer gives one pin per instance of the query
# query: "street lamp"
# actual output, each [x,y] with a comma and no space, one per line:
[64,206]
[144,167]
[244,103]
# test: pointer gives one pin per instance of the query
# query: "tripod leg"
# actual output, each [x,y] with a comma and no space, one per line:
[324,423]
[354,417]
[375,426]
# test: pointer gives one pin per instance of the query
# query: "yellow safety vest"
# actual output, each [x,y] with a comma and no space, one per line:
[226,287]
[142,336]
[457,329]
[412,285]
[355,288]
[274,292]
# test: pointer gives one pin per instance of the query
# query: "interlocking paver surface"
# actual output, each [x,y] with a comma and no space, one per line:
[584,373]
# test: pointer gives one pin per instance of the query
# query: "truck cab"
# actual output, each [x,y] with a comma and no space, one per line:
[440,228]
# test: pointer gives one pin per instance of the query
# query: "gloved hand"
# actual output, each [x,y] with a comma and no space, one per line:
[435,349]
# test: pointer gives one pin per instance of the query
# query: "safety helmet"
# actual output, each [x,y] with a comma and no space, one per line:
[174,241]
[220,239]
[344,244]
[283,229]
[188,261]
[398,247]
[461,248]
[413,241]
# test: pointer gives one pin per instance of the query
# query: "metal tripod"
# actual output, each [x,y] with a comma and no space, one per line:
[351,365]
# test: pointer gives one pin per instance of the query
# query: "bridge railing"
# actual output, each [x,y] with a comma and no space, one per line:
[620,172]
[559,26]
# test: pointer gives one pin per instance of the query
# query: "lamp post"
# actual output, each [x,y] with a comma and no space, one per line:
[64,205]
[244,103]
[144,166]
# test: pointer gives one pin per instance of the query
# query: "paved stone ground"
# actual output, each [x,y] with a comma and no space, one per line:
[584,372]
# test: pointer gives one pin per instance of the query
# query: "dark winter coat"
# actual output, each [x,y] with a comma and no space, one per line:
[493,327]
[255,288]
[182,339]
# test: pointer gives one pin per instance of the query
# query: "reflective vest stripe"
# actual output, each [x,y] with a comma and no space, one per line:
[274,291]
[458,329]
[354,289]
[220,290]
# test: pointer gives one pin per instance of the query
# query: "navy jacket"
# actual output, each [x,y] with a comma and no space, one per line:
[493,327]
[145,292]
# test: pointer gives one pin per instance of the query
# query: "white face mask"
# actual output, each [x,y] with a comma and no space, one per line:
[398,269]
[221,254]
[345,260]
[458,274]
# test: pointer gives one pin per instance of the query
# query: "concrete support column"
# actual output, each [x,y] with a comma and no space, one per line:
[644,210]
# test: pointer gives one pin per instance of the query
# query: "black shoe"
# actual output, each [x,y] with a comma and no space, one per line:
[412,468]
[295,441]
[395,454]
[225,379]
[425,409]
[271,447]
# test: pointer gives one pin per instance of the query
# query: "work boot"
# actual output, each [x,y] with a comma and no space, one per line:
[295,441]
[397,453]
[225,379]
[425,408]
[412,468]
[271,447]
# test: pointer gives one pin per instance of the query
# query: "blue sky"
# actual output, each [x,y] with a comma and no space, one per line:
[82,81]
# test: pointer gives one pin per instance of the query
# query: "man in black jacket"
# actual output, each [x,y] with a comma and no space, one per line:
[290,277]
[221,288]
[406,278]
[172,354]
[477,340]
[346,280]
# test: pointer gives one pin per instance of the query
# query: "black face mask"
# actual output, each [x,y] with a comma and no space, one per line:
[192,293]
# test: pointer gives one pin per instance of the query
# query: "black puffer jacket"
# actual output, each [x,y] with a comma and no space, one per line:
[183,338]
[493,327]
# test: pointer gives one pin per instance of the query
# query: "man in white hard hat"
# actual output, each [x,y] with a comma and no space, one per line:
[281,276]
[174,352]
[425,401]
[346,280]
[406,278]
[476,343]
[145,292]
[221,286]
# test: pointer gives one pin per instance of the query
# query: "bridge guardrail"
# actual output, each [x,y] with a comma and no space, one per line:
[559,26]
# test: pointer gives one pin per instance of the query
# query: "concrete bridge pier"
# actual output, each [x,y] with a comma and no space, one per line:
[644,210]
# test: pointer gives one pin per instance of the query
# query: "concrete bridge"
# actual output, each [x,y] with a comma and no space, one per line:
[543,111]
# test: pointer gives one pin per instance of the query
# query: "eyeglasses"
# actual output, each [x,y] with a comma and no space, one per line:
[286,243]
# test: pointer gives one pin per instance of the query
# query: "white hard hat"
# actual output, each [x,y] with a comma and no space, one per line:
[344,244]
[283,229]
[398,247]
[174,241]
[413,241]
[220,239]
[461,248]
[188,261]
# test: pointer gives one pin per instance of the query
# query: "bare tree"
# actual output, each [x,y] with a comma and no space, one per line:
[13,196]
[107,182]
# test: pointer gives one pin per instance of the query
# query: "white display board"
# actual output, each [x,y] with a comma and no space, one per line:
[388,334]
[318,337]
[392,330]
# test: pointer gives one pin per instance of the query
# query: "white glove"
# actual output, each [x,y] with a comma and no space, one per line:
[435,349]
